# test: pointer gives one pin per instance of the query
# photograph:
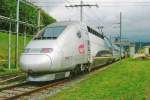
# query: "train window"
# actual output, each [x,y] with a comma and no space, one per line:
[51,32]
[103,53]
[79,34]
[92,31]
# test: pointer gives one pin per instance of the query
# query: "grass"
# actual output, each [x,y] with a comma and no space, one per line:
[4,45]
[4,52]
[6,71]
[125,80]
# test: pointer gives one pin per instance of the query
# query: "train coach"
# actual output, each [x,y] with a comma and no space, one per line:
[63,49]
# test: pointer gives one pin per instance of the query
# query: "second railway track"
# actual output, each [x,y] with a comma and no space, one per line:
[24,89]
[7,78]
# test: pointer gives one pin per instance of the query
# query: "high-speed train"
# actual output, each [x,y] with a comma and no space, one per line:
[63,49]
[116,52]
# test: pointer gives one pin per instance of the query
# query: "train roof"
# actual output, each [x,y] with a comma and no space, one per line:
[67,23]
[63,23]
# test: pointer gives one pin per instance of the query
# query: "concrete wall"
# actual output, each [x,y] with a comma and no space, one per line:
[132,51]
[146,51]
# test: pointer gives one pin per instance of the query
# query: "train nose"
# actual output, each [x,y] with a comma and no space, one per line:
[35,63]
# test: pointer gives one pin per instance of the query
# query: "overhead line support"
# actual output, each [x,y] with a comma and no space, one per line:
[81,5]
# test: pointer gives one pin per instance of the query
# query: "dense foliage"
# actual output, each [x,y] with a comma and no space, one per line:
[27,14]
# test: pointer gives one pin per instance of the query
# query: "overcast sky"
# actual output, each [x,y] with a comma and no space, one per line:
[135,15]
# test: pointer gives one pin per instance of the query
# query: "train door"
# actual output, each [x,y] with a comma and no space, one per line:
[89,49]
[89,58]
[67,56]
[86,42]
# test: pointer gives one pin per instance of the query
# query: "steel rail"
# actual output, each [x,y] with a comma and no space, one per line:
[37,89]
[11,78]
[29,92]
[10,75]
[13,86]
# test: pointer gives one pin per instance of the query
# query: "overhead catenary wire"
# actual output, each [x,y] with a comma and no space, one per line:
[97,20]
[85,13]
[141,2]
[95,15]
[81,5]
[15,20]
[71,14]
[101,3]
[98,2]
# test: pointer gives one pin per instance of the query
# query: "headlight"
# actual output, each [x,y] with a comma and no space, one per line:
[46,50]
[38,50]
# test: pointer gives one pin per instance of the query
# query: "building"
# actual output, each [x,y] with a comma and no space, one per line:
[147,50]
[132,50]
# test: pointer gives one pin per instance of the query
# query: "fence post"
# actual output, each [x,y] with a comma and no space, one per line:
[9,47]
[24,37]
[17,34]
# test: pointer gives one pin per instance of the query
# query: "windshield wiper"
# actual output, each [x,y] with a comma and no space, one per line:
[51,37]
[38,38]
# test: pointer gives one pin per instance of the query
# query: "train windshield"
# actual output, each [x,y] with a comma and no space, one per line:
[50,32]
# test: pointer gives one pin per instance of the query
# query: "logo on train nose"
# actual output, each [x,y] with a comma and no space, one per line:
[81,49]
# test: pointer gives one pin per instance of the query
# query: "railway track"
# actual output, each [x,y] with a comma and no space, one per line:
[8,75]
[25,89]
[4,79]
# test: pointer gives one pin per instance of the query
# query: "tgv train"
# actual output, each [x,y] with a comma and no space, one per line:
[63,49]
[116,52]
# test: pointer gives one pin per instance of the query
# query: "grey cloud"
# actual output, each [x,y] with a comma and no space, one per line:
[136,19]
